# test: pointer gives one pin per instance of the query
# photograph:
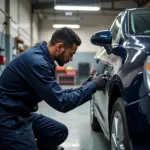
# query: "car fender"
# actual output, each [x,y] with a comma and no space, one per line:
[115,81]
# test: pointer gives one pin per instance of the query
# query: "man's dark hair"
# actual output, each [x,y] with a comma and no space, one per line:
[67,36]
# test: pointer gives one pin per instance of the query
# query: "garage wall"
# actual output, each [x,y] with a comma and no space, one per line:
[35,28]
[20,25]
[25,21]
[14,27]
[20,10]
[2,29]
[2,19]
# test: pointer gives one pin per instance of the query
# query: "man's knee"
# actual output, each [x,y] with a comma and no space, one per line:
[60,136]
[49,131]
[63,132]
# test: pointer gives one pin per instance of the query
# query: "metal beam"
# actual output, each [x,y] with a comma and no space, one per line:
[106,9]
[43,5]
[50,4]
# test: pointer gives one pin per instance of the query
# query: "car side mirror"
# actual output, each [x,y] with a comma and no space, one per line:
[102,38]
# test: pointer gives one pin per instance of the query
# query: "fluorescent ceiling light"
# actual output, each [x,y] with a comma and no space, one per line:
[75,26]
[82,8]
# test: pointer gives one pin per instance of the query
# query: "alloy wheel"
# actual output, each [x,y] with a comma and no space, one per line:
[117,132]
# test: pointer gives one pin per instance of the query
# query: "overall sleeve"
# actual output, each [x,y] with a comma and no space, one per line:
[45,85]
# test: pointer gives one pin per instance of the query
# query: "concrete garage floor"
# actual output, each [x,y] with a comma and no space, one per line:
[81,137]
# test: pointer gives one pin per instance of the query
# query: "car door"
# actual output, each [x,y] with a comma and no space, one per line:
[107,64]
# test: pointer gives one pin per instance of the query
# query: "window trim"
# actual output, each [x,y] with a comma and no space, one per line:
[119,16]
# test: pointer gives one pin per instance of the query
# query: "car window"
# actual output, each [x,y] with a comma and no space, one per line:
[140,22]
[115,29]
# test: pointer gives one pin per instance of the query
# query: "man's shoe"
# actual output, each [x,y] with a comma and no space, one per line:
[59,148]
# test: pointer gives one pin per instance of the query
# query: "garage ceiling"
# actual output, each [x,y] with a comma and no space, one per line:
[45,9]
[44,4]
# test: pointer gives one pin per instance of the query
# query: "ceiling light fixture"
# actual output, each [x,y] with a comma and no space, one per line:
[75,26]
[80,8]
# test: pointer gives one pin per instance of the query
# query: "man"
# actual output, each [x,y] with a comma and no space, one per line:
[30,78]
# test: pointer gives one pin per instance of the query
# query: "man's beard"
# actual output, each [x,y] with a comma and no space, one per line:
[59,61]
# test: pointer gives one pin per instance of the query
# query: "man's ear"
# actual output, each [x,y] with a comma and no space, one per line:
[59,48]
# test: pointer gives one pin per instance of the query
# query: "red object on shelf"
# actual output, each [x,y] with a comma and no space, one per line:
[2,60]
[71,72]
[66,76]
[66,82]
[68,73]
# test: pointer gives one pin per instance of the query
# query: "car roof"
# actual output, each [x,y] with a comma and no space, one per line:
[137,9]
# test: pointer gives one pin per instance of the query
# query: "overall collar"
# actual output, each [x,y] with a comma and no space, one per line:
[43,45]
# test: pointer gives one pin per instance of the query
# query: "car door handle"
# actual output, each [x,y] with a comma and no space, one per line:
[106,72]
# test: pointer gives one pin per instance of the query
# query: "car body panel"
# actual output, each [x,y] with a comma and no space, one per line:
[125,67]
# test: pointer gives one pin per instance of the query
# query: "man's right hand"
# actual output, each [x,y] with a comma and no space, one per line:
[100,81]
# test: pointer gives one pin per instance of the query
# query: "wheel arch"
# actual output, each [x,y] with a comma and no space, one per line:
[114,93]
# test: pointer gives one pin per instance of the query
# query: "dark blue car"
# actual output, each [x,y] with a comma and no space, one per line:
[122,110]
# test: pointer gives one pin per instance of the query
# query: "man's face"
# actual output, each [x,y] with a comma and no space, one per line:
[66,55]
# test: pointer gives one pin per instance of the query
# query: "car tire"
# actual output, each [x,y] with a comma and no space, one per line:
[94,123]
[119,122]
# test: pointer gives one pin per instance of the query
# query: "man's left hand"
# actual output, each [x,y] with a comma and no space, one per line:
[87,80]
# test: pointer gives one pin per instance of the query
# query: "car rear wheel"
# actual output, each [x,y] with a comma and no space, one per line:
[118,127]
[94,123]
